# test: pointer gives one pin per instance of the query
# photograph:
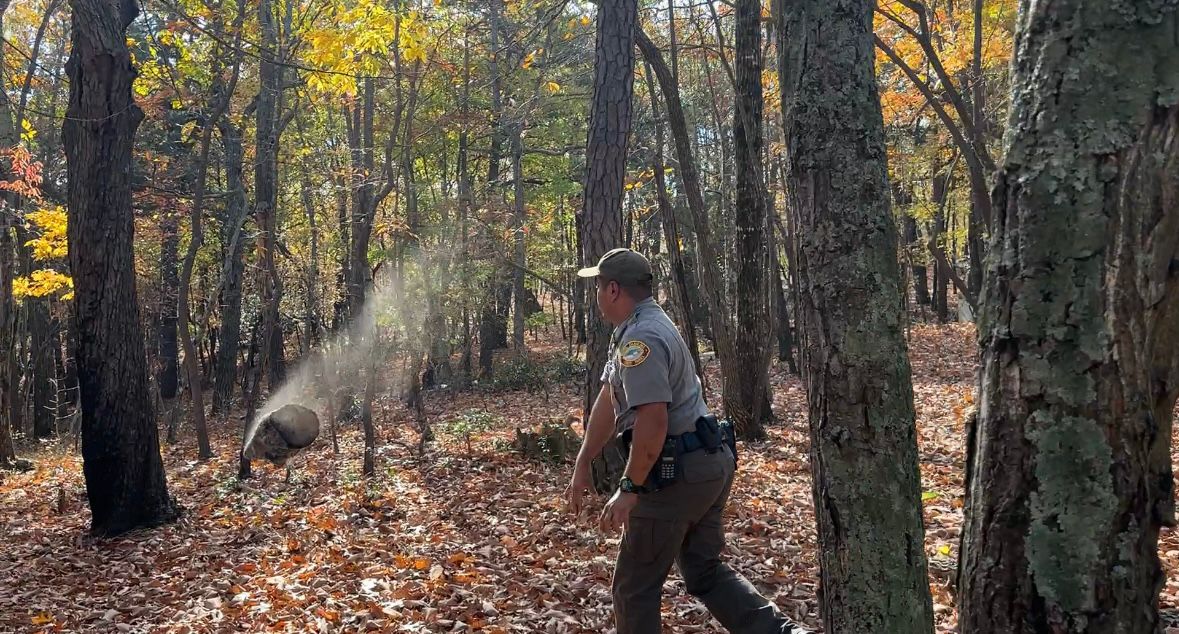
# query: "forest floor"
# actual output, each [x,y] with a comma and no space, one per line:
[452,541]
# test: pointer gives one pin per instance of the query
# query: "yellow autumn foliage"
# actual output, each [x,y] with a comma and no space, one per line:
[50,227]
[43,283]
[49,244]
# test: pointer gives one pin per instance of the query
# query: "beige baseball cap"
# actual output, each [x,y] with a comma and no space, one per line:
[621,265]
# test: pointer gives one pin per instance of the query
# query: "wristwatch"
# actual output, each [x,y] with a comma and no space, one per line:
[626,485]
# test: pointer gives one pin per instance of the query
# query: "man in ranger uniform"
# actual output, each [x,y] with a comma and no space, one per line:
[677,479]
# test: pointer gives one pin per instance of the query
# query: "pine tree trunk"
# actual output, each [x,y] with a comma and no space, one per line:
[1068,466]
[125,480]
[866,483]
[605,158]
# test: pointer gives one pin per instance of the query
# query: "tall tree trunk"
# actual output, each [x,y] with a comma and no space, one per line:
[580,288]
[671,232]
[487,331]
[363,197]
[36,354]
[233,266]
[866,483]
[519,220]
[496,150]
[125,481]
[605,157]
[918,269]
[368,466]
[167,352]
[749,405]
[41,373]
[1068,467]
[605,160]
[784,330]
[9,378]
[311,319]
[466,204]
[266,190]
[979,207]
[941,272]
[7,310]
[343,272]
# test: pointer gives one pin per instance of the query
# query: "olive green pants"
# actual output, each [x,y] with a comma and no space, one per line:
[682,523]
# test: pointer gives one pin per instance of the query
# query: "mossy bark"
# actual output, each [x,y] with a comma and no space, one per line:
[1069,474]
[867,486]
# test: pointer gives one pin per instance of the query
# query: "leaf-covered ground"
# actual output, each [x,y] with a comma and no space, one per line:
[452,541]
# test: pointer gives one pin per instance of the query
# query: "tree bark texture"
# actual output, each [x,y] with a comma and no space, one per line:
[40,371]
[605,159]
[1069,472]
[866,483]
[233,266]
[749,404]
[125,480]
[941,270]
[266,191]
[167,355]
[7,310]
[519,250]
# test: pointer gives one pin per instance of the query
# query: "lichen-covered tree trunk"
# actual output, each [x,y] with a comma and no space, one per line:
[866,484]
[1069,472]
[125,482]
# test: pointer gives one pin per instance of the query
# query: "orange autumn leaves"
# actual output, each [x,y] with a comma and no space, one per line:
[951,30]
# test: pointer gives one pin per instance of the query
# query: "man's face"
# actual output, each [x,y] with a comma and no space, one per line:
[608,295]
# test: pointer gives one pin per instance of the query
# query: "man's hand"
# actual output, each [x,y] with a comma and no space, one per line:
[580,484]
[617,511]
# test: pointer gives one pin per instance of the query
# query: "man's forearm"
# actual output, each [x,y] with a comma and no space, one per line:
[598,429]
[647,441]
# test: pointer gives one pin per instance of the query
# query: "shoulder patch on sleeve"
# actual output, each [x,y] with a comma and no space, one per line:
[632,353]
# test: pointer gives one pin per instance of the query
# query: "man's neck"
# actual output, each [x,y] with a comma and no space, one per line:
[634,308]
